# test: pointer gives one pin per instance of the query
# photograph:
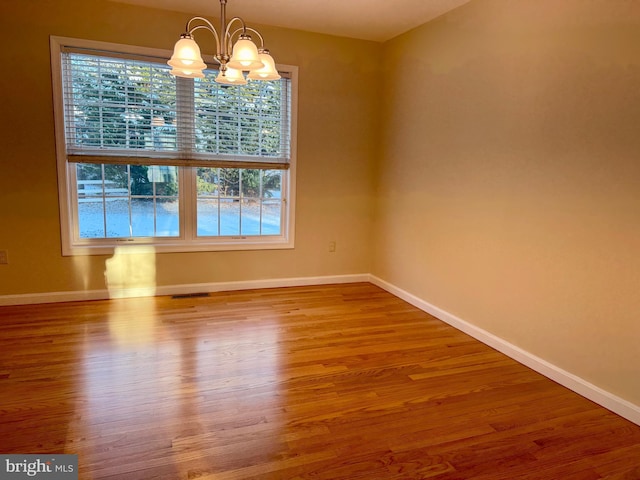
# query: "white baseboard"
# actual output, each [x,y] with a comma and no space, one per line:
[52,297]
[266,283]
[74,296]
[594,393]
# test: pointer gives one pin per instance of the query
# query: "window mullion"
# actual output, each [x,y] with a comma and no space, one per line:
[74,204]
[240,200]
[186,134]
[188,193]
[261,179]
[103,200]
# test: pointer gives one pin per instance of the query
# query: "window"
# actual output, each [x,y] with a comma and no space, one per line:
[180,164]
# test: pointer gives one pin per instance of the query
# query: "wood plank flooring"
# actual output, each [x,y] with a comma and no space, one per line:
[328,382]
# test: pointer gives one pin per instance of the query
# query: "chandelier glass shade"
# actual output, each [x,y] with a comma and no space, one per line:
[235,52]
[186,59]
[231,76]
[268,72]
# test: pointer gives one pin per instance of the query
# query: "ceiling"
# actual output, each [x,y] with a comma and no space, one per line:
[377,20]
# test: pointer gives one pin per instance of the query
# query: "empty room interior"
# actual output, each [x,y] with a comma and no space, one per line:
[408,250]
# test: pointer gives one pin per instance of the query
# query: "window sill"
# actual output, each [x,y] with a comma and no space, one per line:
[230,244]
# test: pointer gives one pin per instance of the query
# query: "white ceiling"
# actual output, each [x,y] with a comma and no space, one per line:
[377,20]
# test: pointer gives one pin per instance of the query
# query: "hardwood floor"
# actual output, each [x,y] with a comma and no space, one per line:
[327,382]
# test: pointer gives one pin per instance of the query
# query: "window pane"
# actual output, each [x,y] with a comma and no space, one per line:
[250,187]
[91,218]
[118,103]
[250,190]
[90,187]
[155,217]
[123,201]
[272,184]
[142,217]
[208,217]
[229,182]
[271,217]
[251,217]
[229,216]
[116,181]
[207,181]
[164,180]
[239,202]
[89,182]
[117,218]
[242,120]
[167,217]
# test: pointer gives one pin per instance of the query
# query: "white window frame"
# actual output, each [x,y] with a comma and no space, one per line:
[188,241]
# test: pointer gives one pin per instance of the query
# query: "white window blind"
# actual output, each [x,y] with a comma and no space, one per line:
[132,111]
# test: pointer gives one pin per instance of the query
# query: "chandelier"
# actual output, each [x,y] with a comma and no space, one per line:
[234,58]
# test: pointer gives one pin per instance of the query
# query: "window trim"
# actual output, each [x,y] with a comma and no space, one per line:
[188,240]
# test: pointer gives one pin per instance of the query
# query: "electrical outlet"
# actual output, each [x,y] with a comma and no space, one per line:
[4,257]
[332,246]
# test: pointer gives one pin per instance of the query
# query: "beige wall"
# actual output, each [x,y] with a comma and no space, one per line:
[335,178]
[509,186]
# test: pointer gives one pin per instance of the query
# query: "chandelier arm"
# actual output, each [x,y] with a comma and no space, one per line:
[257,33]
[245,29]
[207,26]
[228,36]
